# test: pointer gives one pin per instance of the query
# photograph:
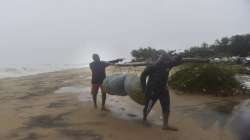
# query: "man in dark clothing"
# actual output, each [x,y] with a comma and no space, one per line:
[156,86]
[98,75]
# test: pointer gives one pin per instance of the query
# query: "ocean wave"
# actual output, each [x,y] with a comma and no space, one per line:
[6,72]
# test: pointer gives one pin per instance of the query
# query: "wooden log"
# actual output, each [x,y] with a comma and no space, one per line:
[195,60]
[184,60]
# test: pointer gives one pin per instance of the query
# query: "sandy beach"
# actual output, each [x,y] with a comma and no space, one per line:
[57,106]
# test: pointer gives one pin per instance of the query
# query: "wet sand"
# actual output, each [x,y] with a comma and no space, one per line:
[57,106]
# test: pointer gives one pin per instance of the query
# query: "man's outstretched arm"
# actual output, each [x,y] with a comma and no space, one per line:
[108,63]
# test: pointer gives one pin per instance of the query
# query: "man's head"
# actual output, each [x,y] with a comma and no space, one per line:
[164,58]
[96,57]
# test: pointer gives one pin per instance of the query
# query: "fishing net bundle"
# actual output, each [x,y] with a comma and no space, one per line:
[123,85]
[134,89]
[114,84]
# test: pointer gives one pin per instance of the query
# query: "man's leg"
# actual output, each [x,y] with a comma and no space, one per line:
[103,98]
[165,105]
[94,91]
[150,101]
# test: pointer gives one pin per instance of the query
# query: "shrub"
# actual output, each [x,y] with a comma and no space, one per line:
[207,78]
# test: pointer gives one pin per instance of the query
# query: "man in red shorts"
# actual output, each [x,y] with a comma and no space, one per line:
[98,75]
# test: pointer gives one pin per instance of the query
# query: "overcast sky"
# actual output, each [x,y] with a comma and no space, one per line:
[69,31]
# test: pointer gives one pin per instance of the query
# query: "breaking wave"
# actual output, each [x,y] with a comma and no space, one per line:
[17,71]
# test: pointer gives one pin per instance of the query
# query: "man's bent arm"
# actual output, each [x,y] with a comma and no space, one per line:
[144,76]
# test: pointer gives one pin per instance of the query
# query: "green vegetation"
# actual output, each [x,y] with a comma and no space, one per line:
[217,79]
[207,78]
[148,53]
[238,45]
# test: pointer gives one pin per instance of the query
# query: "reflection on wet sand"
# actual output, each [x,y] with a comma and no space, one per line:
[240,122]
[207,114]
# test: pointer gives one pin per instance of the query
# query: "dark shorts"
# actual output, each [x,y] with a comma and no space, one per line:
[152,96]
[98,81]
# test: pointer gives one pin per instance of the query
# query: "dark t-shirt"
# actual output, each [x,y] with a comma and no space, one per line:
[158,75]
[98,71]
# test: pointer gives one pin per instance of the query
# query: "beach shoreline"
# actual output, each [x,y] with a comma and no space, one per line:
[57,105]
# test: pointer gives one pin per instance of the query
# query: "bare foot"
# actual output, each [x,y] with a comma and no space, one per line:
[105,109]
[169,128]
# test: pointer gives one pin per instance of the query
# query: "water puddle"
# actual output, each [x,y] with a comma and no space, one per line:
[72,89]
[240,121]
[88,78]
[220,113]
[124,108]
[245,80]
[224,114]
[121,107]
[83,91]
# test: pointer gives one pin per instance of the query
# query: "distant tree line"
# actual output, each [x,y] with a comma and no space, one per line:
[238,45]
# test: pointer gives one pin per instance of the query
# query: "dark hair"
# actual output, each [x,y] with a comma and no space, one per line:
[96,57]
